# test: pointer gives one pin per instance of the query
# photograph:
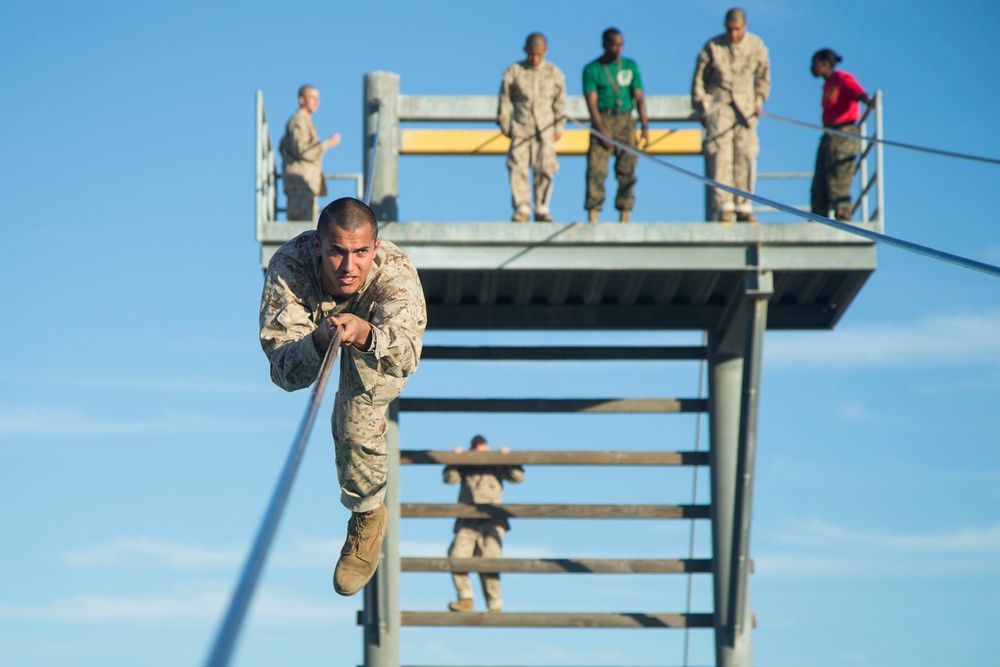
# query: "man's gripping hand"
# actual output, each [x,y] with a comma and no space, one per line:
[352,330]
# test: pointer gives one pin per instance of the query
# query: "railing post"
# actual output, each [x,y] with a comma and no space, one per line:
[381,614]
[381,117]
[259,164]
[879,165]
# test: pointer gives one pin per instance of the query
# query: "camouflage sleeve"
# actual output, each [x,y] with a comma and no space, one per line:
[559,103]
[398,319]
[304,144]
[504,107]
[285,328]
[514,474]
[762,76]
[699,98]
[451,475]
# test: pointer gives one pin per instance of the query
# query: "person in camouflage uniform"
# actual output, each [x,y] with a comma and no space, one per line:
[302,158]
[341,285]
[612,87]
[831,186]
[732,79]
[479,537]
[531,111]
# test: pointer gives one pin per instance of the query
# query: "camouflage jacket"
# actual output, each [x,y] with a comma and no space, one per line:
[294,302]
[302,155]
[481,485]
[739,73]
[534,97]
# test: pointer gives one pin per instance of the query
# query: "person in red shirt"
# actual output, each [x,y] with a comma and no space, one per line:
[831,186]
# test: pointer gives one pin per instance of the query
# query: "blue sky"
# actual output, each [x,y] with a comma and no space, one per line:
[140,435]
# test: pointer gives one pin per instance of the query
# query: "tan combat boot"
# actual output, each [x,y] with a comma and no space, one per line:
[624,216]
[592,215]
[543,217]
[520,217]
[725,216]
[359,557]
[464,604]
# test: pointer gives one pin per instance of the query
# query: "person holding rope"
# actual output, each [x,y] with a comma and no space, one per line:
[612,85]
[531,111]
[341,285]
[732,79]
[482,538]
[831,185]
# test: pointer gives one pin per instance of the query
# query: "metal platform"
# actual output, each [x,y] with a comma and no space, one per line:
[488,276]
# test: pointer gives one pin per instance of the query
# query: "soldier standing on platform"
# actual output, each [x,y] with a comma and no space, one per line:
[302,158]
[531,112]
[732,78]
[831,186]
[610,85]
[479,537]
[342,285]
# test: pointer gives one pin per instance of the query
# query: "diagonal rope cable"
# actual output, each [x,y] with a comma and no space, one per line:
[239,603]
[887,142]
[909,246]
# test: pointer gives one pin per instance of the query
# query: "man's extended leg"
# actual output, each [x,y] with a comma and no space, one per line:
[463,546]
[301,205]
[625,163]
[840,171]
[490,546]
[359,427]
[820,195]
[597,172]
[718,149]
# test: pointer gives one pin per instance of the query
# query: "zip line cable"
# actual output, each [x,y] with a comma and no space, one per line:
[926,251]
[239,603]
[887,142]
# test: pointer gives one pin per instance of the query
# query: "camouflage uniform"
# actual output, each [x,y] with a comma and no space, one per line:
[532,106]
[294,303]
[621,128]
[831,186]
[480,537]
[730,80]
[302,163]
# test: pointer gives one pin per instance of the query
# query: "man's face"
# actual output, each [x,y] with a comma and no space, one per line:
[481,447]
[535,55]
[735,30]
[613,46]
[309,100]
[345,259]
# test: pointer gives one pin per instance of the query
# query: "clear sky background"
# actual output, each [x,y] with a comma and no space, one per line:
[140,436]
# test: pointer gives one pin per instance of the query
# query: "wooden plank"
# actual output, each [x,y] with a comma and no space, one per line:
[572,142]
[519,457]
[560,565]
[552,511]
[604,405]
[555,620]
[575,353]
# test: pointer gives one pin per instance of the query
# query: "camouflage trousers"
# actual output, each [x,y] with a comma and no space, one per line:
[621,128]
[731,148]
[831,186]
[535,150]
[359,427]
[484,542]
[301,205]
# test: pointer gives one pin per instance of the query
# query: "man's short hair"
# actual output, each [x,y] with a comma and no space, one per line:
[535,40]
[303,88]
[736,15]
[477,440]
[607,34]
[348,214]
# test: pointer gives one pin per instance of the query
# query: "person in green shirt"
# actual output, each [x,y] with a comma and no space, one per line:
[612,87]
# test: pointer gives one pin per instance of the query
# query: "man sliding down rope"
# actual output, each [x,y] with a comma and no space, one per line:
[343,281]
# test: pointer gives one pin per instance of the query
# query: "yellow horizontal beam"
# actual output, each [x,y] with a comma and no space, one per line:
[572,142]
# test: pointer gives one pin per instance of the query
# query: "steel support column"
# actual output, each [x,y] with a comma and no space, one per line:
[381,613]
[381,116]
[734,355]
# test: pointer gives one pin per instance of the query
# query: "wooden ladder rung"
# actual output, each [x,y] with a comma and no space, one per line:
[552,511]
[560,565]
[577,458]
[554,619]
